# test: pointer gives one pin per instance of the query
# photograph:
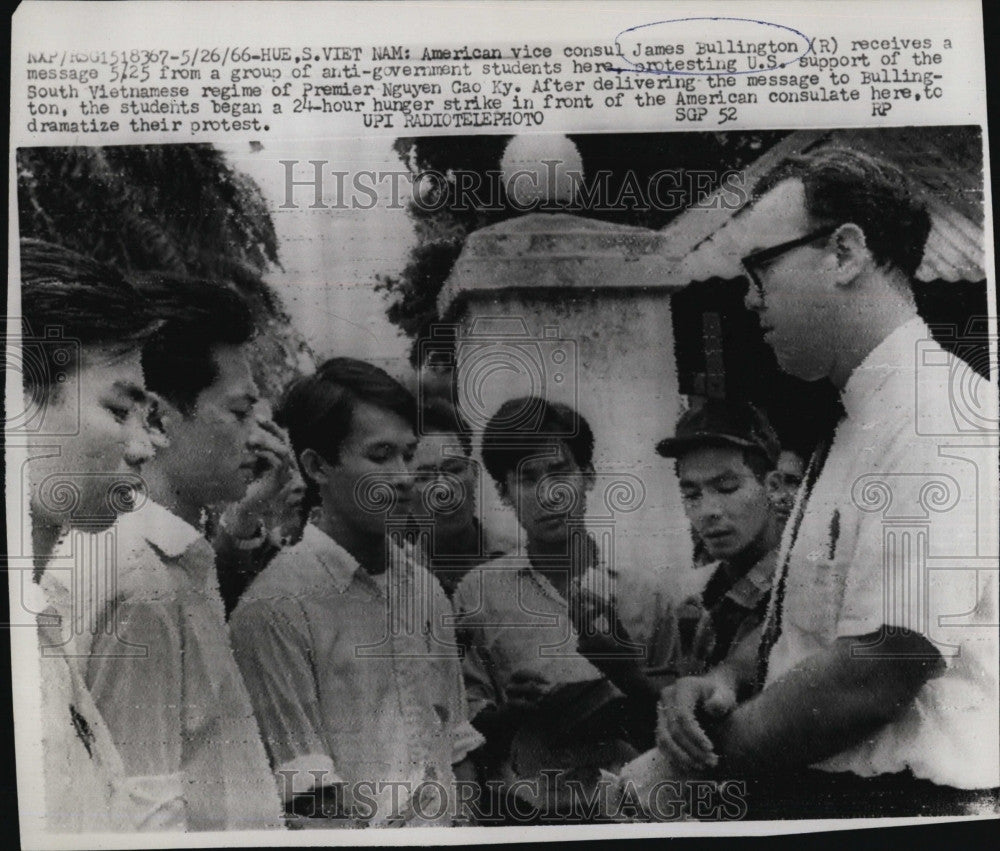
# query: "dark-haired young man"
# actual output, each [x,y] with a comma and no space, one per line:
[345,639]
[555,683]
[164,677]
[85,420]
[726,455]
[876,675]
[445,504]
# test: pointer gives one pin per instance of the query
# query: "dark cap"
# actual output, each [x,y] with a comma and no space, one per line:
[719,423]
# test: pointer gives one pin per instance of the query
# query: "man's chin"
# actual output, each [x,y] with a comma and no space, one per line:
[721,553]
[793,364]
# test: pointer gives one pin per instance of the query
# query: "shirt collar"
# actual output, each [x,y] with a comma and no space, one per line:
[894,355]
[749,590]
[159,527]
[339,564]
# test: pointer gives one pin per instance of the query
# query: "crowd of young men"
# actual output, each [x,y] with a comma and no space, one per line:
[383,665]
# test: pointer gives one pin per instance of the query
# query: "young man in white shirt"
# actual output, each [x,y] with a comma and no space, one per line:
[162,671]
[345,639]
[87,443]
[877,673]
[556,684]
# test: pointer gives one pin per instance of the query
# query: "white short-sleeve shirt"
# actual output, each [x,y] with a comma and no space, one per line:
[900,530]
[162,673]
[356,678]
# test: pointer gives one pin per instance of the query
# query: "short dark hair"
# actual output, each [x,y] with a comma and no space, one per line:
[439,416]
[317,409]
[82,300]
[845,185]
[510,437]
[198,315]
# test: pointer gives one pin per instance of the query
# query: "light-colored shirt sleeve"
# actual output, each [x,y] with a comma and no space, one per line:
[887,580]
[272,648]
[481,689]
[467,738]
[141,701]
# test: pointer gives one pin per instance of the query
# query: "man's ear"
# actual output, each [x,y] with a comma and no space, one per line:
[504,491]
[314,466]
[852,254]
[160,419]
[773,484]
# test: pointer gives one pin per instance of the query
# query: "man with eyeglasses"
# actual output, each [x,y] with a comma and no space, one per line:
[447,479]
[873,690]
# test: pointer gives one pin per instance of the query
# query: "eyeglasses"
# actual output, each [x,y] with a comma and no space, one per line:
[756,259]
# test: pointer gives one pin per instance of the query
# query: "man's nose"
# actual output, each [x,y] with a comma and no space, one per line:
[404,475]
[752,300]
[139,442]
[709,508]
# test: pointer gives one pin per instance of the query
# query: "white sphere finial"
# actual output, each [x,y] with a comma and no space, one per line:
[541,168]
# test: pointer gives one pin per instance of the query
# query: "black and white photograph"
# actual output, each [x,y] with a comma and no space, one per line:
[609,479]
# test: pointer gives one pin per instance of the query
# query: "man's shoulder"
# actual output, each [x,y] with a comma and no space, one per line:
[143,575]
[935,394]
[314,569]
[487,582]
[292,572]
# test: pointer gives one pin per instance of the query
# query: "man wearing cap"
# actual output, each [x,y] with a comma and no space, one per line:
[726,455]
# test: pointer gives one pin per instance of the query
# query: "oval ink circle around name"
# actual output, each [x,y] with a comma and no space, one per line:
[736,43]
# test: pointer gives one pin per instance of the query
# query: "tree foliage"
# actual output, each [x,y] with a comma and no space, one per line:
[162,208]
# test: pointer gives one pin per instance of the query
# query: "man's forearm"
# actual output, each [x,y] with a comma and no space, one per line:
[826,704]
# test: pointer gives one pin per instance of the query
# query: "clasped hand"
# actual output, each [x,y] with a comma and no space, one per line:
[679,731]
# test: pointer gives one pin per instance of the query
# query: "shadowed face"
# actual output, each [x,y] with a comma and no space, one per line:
[549,494]
[210,460]
[445,482]
[98,440]
[784,482]
[372,479]
[724,501]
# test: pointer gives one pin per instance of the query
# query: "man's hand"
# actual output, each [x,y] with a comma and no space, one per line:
[273,452]
[274,468]
[678,731]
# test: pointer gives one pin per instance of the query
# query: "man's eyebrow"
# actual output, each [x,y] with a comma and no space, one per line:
[134,392]
[714,480]
[729,474]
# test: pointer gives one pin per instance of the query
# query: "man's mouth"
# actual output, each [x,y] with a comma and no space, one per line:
[718,535]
